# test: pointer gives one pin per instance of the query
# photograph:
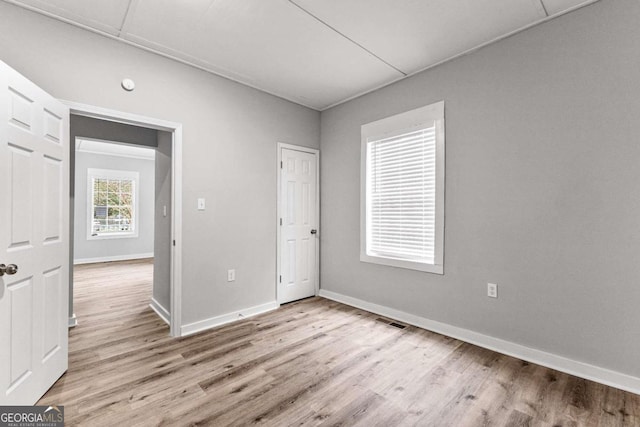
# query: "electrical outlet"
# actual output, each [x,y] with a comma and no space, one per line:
[231,275]
[492,290]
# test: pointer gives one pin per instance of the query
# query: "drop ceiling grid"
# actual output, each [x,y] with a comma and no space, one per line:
[270,44]
[104,16]
[146,25]
[425,32]
[317,54]
[557,6]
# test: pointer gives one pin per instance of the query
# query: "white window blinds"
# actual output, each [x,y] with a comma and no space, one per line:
[401,196]
[402,190]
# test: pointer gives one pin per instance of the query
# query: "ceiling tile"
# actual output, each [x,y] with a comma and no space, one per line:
[556,6]
[105,16]
[423,32]
[165,20]
[273,45]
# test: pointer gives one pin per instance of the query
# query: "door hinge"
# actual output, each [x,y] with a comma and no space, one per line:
[174,243]
[280,221]
[280,279]
[281,165]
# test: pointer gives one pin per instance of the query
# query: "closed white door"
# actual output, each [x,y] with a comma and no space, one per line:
[34,246]
[298,225]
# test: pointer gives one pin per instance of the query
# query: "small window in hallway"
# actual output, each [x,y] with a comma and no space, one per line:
[112,196]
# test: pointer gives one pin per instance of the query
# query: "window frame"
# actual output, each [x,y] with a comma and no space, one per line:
[395,125]
[93,174]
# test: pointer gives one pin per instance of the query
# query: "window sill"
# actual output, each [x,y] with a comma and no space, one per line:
[132,235]
[409,265]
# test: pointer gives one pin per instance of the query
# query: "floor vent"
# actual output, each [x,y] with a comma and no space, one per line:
[397,325]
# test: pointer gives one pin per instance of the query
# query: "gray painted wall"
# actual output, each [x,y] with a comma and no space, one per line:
[162,245]
[104,248]
[542,161]
[112,131]
[230,137]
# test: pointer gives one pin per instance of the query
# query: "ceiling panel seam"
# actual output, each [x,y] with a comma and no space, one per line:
[128,17]
[347,37]
[544,7]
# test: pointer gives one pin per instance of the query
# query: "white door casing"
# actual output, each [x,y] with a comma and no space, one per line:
[34,230]
[298,223]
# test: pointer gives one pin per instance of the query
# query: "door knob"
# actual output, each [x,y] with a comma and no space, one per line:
[8,269]
[314,231]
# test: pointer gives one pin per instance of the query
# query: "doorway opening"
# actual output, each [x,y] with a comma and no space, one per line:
[125,207]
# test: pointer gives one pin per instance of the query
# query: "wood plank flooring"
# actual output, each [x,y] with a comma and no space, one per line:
[310,363]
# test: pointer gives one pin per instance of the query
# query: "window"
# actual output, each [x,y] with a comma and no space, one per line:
[112,204]
[402,190]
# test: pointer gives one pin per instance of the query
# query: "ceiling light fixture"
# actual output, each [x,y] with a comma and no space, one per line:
[128,85]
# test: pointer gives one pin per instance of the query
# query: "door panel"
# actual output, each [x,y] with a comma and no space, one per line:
[22,109]
[298,245]
[305,253]
[291,203]
[306,204]
[21,190]
[291,260]
[52,127]
[34,230]
[52,184]
[21,298]
[51,319]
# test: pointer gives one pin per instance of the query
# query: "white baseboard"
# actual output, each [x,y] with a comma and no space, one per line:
[559,363]
[73,321]
[212,322]
[160,311]
[112,258]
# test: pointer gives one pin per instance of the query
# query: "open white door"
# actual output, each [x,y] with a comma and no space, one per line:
[34,233]
[298,242]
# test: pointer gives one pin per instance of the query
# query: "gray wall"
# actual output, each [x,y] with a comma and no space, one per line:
[121,247]
[112,131]
[543,166]
[162,246]
[229,152]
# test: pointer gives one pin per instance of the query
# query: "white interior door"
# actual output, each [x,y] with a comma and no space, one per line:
[299,225]
[34,232]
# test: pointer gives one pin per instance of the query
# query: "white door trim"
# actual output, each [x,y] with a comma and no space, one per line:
[176,191]
[316,152]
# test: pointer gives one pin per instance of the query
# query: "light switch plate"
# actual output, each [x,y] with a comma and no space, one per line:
[201,204]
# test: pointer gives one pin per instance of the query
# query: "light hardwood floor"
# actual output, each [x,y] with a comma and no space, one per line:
[314,362]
